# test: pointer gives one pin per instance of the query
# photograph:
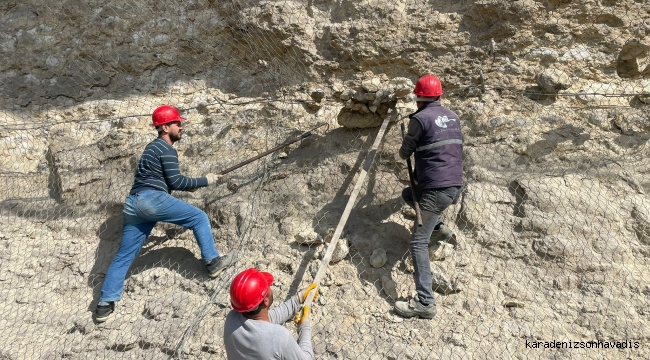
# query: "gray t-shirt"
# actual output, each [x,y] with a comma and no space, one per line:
[256,339]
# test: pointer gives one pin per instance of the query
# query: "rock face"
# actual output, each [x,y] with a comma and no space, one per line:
[550,235]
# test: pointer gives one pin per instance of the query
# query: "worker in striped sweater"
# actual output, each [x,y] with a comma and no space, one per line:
[150,201]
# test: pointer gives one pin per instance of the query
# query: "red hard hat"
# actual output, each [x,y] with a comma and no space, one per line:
[249,288]
[428,86]
[165,114]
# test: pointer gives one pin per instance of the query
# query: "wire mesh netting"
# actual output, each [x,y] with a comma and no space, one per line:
[549,257]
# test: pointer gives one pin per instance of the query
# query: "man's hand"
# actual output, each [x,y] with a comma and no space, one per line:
[302,315]
[213,178]
[306,292]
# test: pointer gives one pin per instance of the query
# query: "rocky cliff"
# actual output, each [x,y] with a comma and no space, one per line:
[551,234]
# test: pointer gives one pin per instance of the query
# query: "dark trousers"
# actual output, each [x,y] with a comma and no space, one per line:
[432,203]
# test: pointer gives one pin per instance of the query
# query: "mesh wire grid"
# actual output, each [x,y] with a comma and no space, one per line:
[551,234]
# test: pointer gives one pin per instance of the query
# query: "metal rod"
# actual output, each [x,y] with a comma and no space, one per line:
[245,162]
[416,203]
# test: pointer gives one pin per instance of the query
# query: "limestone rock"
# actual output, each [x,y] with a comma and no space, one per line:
[340,252]
[402,86]
[346,94]
[440,251]
[371,85]
[576,53]
[600,120]
[337,89]
[317,94]
[441,282]
[308,237]
[543,54]
[597,93]
[298,229]
[627,65]
[552,247]
[378,258]
[408,211]
[551,81]
[389,287]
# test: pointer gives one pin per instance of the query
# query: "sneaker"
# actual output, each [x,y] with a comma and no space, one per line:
[414,308]
[103,311]
[218,264]
[442,232]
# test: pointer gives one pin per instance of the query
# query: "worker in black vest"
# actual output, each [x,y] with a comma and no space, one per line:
[435,137]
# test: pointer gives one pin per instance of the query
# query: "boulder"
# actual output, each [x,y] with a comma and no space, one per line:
[378,258]
[440,251]
[317,94]
[308,237]
[389,287]
[402,86]
[551,81]
[371,85]
[441,282]
[627,65]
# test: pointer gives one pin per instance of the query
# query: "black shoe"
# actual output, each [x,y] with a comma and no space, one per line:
[218,264]
[103,311]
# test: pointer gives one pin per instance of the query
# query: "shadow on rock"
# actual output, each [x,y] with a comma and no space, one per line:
[178,259]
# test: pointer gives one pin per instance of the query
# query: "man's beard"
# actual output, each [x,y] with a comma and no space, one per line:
[175,137]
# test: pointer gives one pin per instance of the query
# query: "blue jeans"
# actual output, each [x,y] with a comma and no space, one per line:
[432,203]
[141,212]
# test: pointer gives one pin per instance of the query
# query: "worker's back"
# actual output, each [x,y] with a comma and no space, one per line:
[256,339]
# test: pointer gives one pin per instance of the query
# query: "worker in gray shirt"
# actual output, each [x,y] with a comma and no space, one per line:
[252,331]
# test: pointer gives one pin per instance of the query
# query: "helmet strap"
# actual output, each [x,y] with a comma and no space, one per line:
[426,98]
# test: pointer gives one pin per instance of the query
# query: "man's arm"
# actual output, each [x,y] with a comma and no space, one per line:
[175,180]
[410,142]
[304,339]
[301,350]
[285,311]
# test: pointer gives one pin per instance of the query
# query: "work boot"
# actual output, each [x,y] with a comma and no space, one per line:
[103,311]
[414,308]
[216,265]
[441,232]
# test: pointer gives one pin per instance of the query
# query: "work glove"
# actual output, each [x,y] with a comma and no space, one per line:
[306,292]
[302,315]
[213,179]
